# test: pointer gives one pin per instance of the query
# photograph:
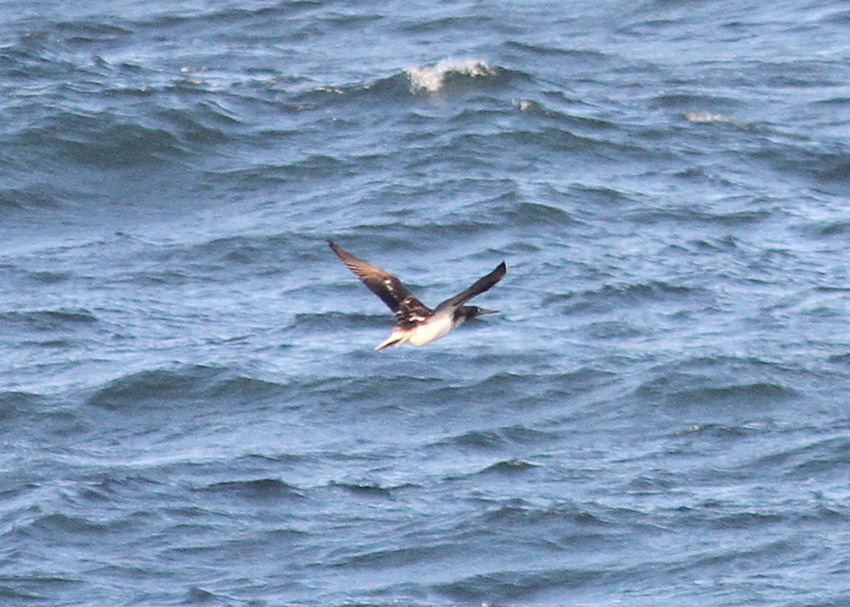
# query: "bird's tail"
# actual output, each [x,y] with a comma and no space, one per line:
[396,338]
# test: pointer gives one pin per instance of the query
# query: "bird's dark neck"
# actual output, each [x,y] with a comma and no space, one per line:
[464,313]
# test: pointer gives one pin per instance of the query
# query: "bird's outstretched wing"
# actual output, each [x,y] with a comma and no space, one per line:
[405,306]
[480,285]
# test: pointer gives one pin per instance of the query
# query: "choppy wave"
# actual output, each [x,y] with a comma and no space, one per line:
[48,320]
[169,388]
[449,74]
[193,413]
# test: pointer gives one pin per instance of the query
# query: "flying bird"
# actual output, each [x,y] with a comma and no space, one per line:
[417,323]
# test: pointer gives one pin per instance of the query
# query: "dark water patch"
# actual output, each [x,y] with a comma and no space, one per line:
[842,359]
[509,467]
[500,387]
[49,320]
[724,244]
[506,208]
[696,215]
[207,122]
[836,15]
[480,439]
[704,104]
[827,513]
[198,596]
[748,394]
[157,277]
[592,56]
[600,195]
[109,487]
[498,439]
[786,459]
[227,257]
[748,520]
[565,119]
[428,230]
[102,140]
[66,524]
[36,588]
[750,557]
[48,277]
[240,388]
[788,74]
[351,21]
[532,214]
[228,19]
[365,489]
[695,390]
[722,515]
[826,165]
[161,388]
[393,89]
[14,405]
[33,198]
[614,296]
[580,381]
[33,56]
[566,517]
[612,329]
[20,596]
[715,431]
[512,586]
[827,229]
[337,391]
[274,460]
[254,489]
[223,253]
[338,321]
[168,388]
[834,289]
[293,175]
[416,26]
[826,458]
[31,414]
[403,555]
[89,33]
[585,148]
[722,386]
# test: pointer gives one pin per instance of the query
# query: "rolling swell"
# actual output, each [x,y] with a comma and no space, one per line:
[181,387]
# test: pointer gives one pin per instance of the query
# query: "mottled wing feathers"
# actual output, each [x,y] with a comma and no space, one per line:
[480,285]
[390,289]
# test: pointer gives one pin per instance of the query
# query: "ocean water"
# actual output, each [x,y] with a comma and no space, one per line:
[191,410]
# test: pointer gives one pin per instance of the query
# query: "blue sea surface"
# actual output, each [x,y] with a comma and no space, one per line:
[191,409]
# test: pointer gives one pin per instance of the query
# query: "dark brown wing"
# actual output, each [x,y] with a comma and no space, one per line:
[480,285]
[403,303]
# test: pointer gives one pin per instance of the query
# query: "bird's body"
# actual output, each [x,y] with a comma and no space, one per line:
[418,324]
[432,328]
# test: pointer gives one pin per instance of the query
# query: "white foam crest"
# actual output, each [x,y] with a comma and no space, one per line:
[432,78]
[696,116]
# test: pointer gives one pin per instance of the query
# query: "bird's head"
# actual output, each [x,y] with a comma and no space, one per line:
[469,312]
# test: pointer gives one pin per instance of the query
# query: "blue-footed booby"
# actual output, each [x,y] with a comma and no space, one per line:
[417,323]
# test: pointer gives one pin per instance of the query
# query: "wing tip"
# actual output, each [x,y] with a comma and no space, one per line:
[340,252]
